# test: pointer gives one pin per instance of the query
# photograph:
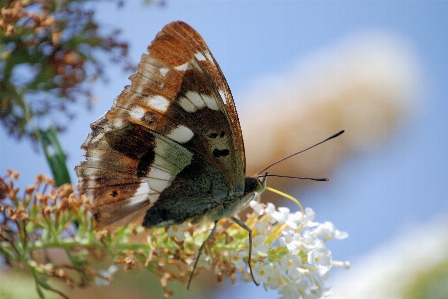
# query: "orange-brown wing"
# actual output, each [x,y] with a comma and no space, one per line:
[213,73]
[175,125]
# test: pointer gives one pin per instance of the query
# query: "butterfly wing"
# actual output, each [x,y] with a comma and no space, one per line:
[172,137]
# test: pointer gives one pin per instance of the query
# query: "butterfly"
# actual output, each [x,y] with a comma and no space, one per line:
[170,149]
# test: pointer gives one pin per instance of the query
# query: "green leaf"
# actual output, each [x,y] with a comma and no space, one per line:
[55,155]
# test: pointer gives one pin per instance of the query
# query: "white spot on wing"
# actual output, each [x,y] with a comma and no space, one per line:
[199,56]
[209,57]
[137,112]
[188,66]
[116,122]
[158,180]
[140,195]
[223,96]
[187,105]
[183,67]
[164,71]
[159,103]
[181,134]
[196,99]
[210,102]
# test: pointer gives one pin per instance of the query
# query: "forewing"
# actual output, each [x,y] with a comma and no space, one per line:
[202,100]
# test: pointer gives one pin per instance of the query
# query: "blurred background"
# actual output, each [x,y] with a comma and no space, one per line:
[299,72]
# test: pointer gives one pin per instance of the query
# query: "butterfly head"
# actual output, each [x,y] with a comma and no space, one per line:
[255,185]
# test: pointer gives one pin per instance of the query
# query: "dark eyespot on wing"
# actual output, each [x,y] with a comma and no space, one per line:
[220,153]
[213,135]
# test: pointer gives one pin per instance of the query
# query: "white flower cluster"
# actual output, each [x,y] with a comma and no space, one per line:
[300,272]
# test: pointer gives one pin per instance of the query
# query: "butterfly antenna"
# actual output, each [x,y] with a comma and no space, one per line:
[285,158]
[296,177]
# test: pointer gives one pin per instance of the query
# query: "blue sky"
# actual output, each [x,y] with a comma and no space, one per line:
[374,195]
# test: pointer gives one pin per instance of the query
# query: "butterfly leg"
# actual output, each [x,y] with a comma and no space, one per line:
[200,251]
[243,225]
